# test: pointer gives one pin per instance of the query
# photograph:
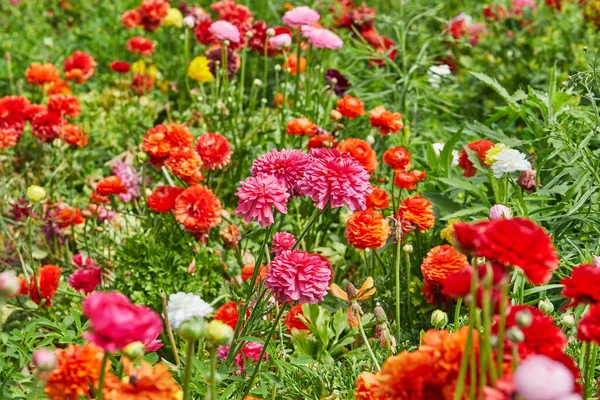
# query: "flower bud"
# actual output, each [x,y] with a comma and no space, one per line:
[270,32]
[249,34]
[226,43]
[36,193]
[351,291]
[370,139]
[142,156]
[439,319]
[515,335]
[258,82]
[407,248]
[10,285]
[134,351]
[546,306]
[264,101]
[277,67]
[596,261]
[499,211]
[218,332]
[524,319]
[380,316]
[193,329]
[568,320]
[189,21]
[335,115]
[44,359]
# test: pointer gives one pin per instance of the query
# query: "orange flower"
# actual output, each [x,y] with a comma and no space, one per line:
[367,229]
[248,271]
[59,87]
[407,180]
[441,262]
[227,313]
[77,370]
[278,100]
[398,158]
[160,140]
[405,375]
[252,398]
[41,74]
[292,63]
[361,151]
[198,209]
[145,382]
[321,140]
[386,121]
[45,285]
[419,211]
[184,162]
[350,107]
[73,135]
[367,387]
[292,319]
[301,126]
[69,216]
[378,198]
[110,185]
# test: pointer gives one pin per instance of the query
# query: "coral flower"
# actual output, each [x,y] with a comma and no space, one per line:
[131,19]
[86,279]
[367,229]
[45,284]
[228,314]
[287,166]
[77,372]
[367,387]
[198,209]
[282,241]
[79,67]
[293,321]
[69,216]
[46,125]
[58,87]
[299,276]
[405,375]
[163,198]
[41,74]
[588,329]
[110,185]
[335,178]
[301,16]
[66,104]
[321,140]
[378,198]
[361,151]
[322,38]
[214,150]
[292,64]
[408,180]
[441,262]
[480,147]
[185,163]
[224,30]
[258,196]
[419,211]
[160,140]
[397,158]
[248,272]
[139,45]
[350,107]
[121,67]
[581,286]
[385,121]
[148,382]
[301,126]
[9,136]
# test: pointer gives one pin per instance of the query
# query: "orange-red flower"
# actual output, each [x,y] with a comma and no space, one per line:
[361,151]
[441,262]
[41,74]
[139,45]
[145,382]
[79,67]
[378,198]
[66,104]
[110,185]
[398,158]
[350,107]
[408,180]
[228,314]
[77,371]
[58,87]
[45,284]
[160,140]
[385,121]
[405,375]
[185,163]
[301,126]
[131,19]
[278,100]
[198,209]
[321,140]
[214,150]
[480,147]
[292,319]
[69,216]
[292,63]
[73,135]
[248,271]
[419,211]
[367,387]
[163,198]
[367,229]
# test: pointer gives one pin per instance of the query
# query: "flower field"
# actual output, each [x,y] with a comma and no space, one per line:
[329,200]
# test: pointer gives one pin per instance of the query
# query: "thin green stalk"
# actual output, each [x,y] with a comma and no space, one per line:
[457,313]
[587,370]
[187,374]
[313,218]
[408,279]
[366,340]
[501,327]
[266,67]
[102,374]
[10,73]
[213,368]
[397,269]
[297,73]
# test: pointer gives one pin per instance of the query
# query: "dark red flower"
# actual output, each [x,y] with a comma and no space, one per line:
[122,67]
[163,198]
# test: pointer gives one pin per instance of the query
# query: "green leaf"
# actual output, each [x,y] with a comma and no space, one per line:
[498,88]
[466,212]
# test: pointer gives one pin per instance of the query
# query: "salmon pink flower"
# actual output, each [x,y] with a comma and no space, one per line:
[385,121]
[258,196]
[249,353]
[282,241]
[321,38]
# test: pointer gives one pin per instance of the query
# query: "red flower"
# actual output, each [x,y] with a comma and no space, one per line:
[292,319]
[407,180]
[66,104]
[139,45]
[86,279]
[163,198]
[203,35]
[110,185]
[227,313]
[382,44]
[47,125]
[47,284]
[152,13]
[122,67]
[588,329]
[321,140]
[378,198]
[582,286]
[214,150]
[73,135]
[350,107]
[69,216]
[481,147]
[198,209]
[259,38]
[142,83]
[397,158]
[79,67]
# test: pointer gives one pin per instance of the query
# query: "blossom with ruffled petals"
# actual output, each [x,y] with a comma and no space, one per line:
[258,196]
[198,209]
[299,16]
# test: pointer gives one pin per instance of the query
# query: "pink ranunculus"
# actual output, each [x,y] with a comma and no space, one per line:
[279,41]
[224,30]
[249,353]
[116,322]
[86,279]
[153,344]
[282,241]
[286,165]
[301,16]
[258,196]
[322,38]
[541,378]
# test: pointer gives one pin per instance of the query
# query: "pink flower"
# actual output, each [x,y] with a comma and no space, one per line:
[153,344]
[282,241]
[283,40]
[322,38]
[334,178]
[596,261]
[224,30]
[116,322]
[44,359]
[250,352]
[86,279]
[557,383]
[286,165]
[299,276]
[301,16]
[499,211]
[257,196]
[519,6]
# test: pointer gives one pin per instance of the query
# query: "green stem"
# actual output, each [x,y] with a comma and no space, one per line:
[297,72]
[408,279]
[102,374]
[187,374]
[366,340]
[501,327]
[213,380]
[398,265]
[457,313]
[313,218]
[586,365]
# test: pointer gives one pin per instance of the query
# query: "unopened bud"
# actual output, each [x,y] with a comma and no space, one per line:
[142,156]
[515,335]
[499,211]
[380,316]
[226,43]
[189,21]
[335,115]
[193,329]
[270,32]
[249,34]
[277,67]
[407,248]
[258,82]
[36,193]
[568,320]
[10,285]
[439,319]
[44,359]
[134,351]
[596,261]
[218,332]
[351,291]
[585,49]
[546,306]
[370,139]
[524,319]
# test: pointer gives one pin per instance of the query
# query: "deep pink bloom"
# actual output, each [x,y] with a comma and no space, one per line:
[86,279]
[250,352]
[322,38]
[299,276]
[116,322]
[282,241]
[257,197]
[224,30]
[334,178]
[557,383]
[301,16]
[153,344]
[283,40]
[286,165]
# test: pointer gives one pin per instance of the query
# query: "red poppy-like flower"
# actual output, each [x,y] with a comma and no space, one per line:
[481,147]
[47,125]
[47,284]
[152,13]
[350,107]
[41,74]
[139,45]
[160,140]
[367,229]
[73,135]
[419,211]
[203,35]
[69,216]
[321,140]
[13,112]
[214,150]
[292,319]
[259,38]
[408,180]
[163,198]
[131,19]
[378,198]
[122,67]
[582,286]
[301,126]
[198,209]
[110,185]
[380,43]
[361,151]
[588,329]
[397,158]
[232,12]
[142,83]
[79,67]
[385,121]
[248,271]
[58,87]
[367,387]
[227,313]
[66,104]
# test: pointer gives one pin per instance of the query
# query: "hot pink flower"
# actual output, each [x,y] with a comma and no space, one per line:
[224,30]
[301,16]
[153,344]
[322,38]
[282,241]
[299,276]
[86,279]
[286,165]
[257,196]
[283,40]
[334,178]
[558,381]
[518,6]
[116,322]
[250,352]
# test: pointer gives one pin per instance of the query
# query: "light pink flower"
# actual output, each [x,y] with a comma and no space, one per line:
[86,279]
[299,276]
[44,359]
[283,40]
[322,38]
[224,30]
[335,178]
[541,378]
[301,16]
[286,165]
[257,197]
[596,261]
[282,241]
[249,353]
[499,211]
[116,322]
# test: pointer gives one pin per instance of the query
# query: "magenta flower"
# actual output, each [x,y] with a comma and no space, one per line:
[301,16]
[322,38]
[286,165]
[86,279]
[335,178]
[282,241]
[283,40]
[116,322]
[299,276]
[224,30]
[249,353]
[541,378]
[153,344]
[257,197]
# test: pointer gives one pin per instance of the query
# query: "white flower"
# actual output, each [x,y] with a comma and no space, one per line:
[439,146]
[509,160]
[436,72]
[184,306]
